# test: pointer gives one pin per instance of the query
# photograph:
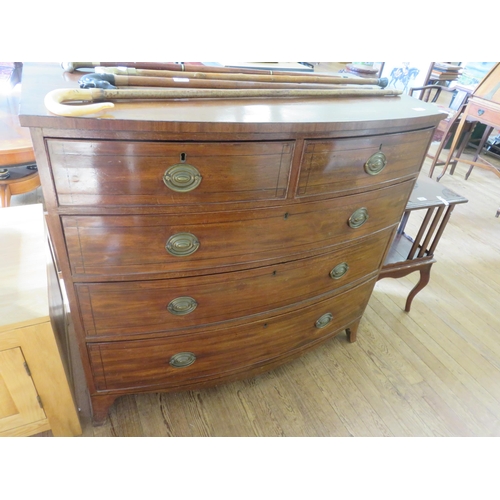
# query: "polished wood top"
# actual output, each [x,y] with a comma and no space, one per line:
[262,116]
[429,193]
[15,142]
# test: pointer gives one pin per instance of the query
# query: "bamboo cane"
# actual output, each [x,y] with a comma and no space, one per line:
[338,80]
[110,81]
[54,100]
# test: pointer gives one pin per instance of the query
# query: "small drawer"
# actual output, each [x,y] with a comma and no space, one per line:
[485,112]
[342,166]
[173,306]
[216,242]
[187,359]
[155,173]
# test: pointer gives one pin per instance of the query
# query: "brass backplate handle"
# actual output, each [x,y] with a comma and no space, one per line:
[358,218]
[182,244]
[376,163]
[324,320]
[182,359]
[182,177]
[339,270]
[181,306]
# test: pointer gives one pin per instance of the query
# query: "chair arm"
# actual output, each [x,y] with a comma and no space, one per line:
[424,96]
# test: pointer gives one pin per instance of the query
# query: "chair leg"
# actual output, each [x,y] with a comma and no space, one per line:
[454,145]
[439,149]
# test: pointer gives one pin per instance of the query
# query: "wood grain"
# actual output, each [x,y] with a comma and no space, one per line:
[257,257]
[403,378]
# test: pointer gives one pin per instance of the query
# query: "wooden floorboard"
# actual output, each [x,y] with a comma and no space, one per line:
[434,371]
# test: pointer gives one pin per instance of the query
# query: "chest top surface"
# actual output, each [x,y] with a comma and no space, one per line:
[285,115]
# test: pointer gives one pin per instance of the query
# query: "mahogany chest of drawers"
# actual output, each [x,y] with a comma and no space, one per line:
[202,242]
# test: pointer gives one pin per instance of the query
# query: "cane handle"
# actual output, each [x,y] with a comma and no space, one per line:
[54,102]
[71,66]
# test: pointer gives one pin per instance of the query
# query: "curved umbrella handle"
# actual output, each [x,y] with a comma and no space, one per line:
[54,99]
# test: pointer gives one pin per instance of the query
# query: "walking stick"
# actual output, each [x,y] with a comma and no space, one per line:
[72,66]
[288,78]
[112,81]
[54,100]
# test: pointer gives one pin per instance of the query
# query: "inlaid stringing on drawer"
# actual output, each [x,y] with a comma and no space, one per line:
[147,307]
[341,166]
[157,173]
[111,245]
[124,364]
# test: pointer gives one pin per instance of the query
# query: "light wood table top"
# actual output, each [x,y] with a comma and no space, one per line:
[23,265]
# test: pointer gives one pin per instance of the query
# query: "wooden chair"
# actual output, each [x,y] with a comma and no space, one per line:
[447,127]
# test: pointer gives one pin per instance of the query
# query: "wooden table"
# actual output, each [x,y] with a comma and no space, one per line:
[18,173]
[483,107]
[480,111]
[408,254]
[34,391]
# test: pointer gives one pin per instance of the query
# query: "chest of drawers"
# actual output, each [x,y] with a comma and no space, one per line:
[202,242]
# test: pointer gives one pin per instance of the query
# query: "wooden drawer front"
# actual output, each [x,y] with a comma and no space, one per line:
[141,307]
[486,112]
[124,245]
[125,173]
[144,363]
[338,165]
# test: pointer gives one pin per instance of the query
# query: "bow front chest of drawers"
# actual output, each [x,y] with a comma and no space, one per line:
[205,241]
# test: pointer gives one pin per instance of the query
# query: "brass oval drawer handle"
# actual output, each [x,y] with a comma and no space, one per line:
[182,177]
[182,306]
[182,244]
[358,218]
[339,270]
[182,359]
[376,163]
[324,320]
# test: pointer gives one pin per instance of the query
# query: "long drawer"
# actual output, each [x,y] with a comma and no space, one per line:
[341,166]
[145,307]
[180,360]
[126,245]
[154,173]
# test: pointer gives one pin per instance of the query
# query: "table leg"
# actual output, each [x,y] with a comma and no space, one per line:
[5,195]
[486,134]
[425,275]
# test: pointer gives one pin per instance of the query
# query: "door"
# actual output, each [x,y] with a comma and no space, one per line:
[20,409]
